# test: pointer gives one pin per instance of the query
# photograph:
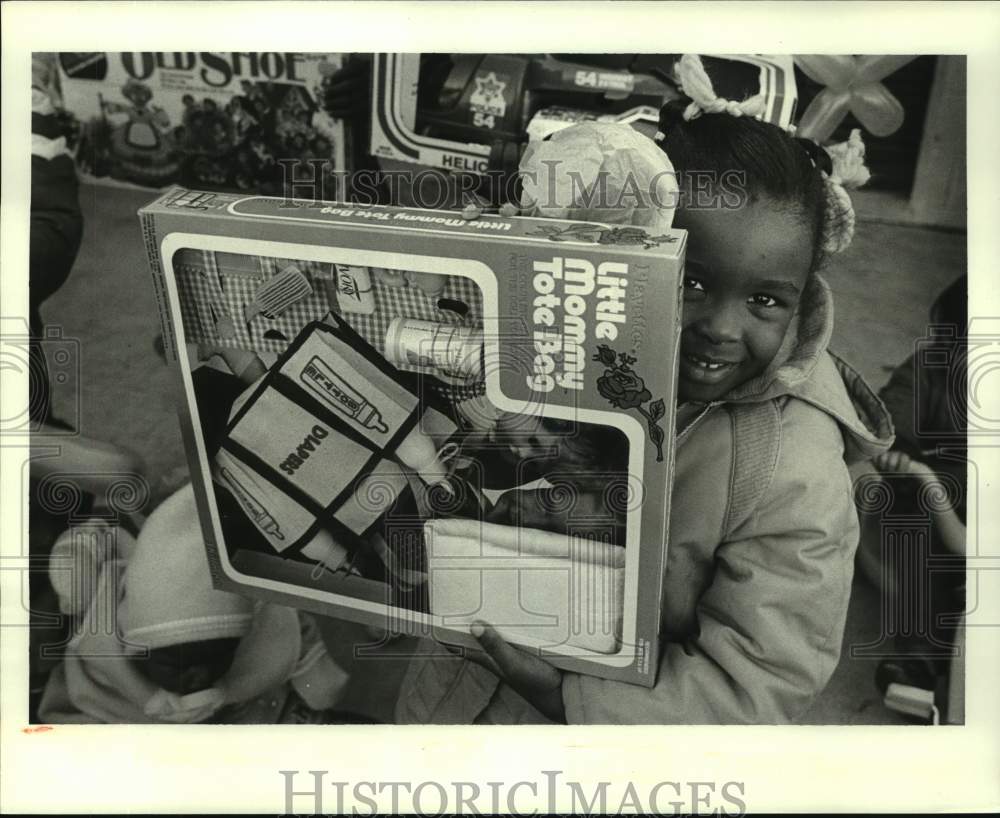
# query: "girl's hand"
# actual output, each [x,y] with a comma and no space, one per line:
[535,679]
[897,462]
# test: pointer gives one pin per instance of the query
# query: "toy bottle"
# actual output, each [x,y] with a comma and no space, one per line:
[454,351]
[419,453]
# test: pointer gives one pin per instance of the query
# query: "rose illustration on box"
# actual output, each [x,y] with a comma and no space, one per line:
[625,389]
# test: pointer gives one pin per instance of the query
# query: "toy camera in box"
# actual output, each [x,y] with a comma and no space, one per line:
[414,420]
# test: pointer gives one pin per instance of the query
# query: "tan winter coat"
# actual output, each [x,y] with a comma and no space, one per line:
[752,617]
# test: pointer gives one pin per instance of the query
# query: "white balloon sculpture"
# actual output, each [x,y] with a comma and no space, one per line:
[852,83]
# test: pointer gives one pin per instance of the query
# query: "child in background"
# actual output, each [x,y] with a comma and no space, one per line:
[157,644]
[763,528]
[926,475]
[56,219]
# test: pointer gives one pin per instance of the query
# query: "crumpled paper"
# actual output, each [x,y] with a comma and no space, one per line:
[599,171]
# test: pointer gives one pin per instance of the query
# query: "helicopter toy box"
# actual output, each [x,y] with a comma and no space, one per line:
[415,420]
[470,112]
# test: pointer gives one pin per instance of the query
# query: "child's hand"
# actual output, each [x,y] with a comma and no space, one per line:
[897,462]
[535,679]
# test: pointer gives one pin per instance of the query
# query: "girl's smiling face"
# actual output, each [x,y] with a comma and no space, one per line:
[745,272]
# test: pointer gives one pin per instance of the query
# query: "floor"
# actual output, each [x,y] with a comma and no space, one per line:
[125,394]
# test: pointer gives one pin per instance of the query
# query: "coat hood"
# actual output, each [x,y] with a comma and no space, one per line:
[806,370]
[170,597]
[161,595]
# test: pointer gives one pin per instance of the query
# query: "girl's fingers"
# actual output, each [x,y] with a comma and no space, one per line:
[479,657]
[896,462]
[519,668]
[888,461]
[495,647]
[534,678]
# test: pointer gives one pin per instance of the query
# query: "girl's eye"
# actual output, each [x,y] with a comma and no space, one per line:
[693,284]
[761,300]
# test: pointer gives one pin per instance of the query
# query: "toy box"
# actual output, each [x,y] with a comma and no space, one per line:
[415,420]
[222,121]
[463,112]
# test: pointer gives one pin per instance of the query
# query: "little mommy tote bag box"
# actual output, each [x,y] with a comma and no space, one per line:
[411,419]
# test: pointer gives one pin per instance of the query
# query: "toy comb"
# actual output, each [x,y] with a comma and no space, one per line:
[278,294]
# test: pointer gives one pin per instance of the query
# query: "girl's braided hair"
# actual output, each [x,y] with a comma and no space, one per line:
[770,162]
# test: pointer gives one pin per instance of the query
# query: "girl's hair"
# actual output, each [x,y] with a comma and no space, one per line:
[757,159]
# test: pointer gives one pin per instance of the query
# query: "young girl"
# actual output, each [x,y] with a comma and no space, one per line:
[760,563]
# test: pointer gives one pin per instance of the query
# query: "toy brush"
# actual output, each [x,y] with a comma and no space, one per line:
[278,294]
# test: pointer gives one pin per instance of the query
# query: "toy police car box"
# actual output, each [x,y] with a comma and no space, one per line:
[462,112]
[415,420]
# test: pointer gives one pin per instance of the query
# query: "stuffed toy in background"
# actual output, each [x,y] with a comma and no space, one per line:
[599,171]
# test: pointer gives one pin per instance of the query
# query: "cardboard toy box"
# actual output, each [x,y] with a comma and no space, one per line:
[219,120]
[451,111]
[414,420]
